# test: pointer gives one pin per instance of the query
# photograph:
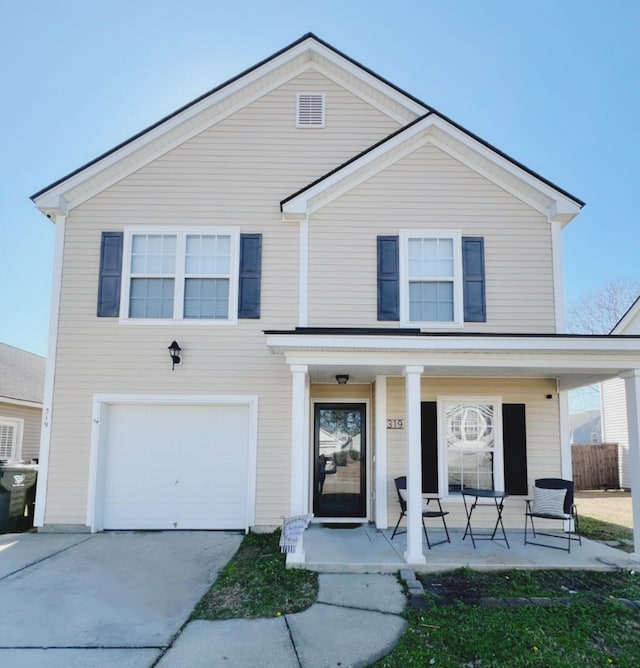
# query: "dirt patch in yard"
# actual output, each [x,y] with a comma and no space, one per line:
[613,507]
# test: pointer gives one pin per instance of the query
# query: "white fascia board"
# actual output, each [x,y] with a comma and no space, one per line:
[369,79]
[562,208]
[519,364]
[524,344]
[389,101]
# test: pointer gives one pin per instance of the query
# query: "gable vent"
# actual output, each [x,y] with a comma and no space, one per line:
[310,110]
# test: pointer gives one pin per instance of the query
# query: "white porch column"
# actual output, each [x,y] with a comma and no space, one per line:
[566,470]
[380,461]
[414,554]
[632,388]
[566,466]
[299,451]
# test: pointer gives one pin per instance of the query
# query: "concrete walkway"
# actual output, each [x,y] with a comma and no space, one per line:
[122,599]
[354,622]
[103,600]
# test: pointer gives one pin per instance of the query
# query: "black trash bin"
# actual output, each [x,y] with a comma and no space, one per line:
[17,496]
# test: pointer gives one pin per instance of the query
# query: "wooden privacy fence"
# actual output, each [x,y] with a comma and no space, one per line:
[595,465]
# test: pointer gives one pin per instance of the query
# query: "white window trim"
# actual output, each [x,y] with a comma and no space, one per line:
[18,425]
[443,463]
[310,126]
[458,296]
[178,306]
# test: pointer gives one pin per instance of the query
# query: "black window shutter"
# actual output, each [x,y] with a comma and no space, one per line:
[429,435]
[473,279]
[514,436]
[249,275]
[388,278]
[110,274]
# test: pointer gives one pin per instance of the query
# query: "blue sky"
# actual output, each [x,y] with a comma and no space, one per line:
[554,84]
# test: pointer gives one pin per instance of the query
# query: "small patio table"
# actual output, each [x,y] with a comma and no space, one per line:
[498,498]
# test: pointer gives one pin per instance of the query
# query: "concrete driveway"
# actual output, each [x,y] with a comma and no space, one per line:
[102,600]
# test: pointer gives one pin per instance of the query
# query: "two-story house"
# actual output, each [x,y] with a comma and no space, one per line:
[359,289]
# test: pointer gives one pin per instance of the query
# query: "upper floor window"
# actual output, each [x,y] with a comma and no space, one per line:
[431,278]
[181,275]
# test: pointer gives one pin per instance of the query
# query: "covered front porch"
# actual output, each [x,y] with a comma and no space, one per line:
[405,369]
[365,549]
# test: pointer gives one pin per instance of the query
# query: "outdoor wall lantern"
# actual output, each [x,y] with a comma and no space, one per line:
[174,353]
[342,378]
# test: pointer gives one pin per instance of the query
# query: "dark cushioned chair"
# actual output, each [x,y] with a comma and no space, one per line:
[553,500]
[434,511]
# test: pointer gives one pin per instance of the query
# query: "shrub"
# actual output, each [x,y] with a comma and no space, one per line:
[340,458]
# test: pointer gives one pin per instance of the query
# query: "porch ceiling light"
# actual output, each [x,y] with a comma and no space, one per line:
[174,353]
[342,378]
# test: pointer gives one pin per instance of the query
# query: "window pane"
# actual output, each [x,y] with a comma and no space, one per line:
[470,438]
[470,426]
[208,254]
[151,298]
[206,298]
[153,254]
[430,258]
[430,301]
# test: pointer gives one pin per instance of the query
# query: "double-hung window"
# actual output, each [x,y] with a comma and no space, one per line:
[431,278]
[470,443]
[187,275]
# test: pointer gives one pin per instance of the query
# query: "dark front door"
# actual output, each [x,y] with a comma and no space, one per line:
[340,484]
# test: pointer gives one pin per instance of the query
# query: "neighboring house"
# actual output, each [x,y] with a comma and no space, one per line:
[585,427]
[21,390]
[614,401]
[335,259]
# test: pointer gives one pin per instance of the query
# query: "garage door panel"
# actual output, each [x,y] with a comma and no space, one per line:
[176,466]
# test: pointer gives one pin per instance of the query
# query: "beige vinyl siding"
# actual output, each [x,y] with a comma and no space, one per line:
[31,430]
[335,392]
[543,443]
[231,175]
[428,189]
[615,426]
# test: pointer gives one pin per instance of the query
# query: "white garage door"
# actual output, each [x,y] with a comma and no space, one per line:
[176,466]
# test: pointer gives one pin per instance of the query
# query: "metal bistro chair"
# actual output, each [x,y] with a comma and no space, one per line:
[401,489]
[553,500]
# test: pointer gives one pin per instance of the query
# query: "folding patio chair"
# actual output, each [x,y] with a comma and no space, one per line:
[401,489]
[553,500]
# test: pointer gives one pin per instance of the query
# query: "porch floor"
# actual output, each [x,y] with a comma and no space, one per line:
[365,549]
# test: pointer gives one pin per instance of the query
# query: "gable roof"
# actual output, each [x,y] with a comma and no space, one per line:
[207,109]
[432,127]
[307,52]
[21,376]
[632,312]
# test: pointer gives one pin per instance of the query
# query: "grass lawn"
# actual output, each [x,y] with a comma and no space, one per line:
[565,636]
[255,583]
[451,629]
[454,630]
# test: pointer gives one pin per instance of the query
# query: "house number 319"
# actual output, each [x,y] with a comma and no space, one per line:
[395,423]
